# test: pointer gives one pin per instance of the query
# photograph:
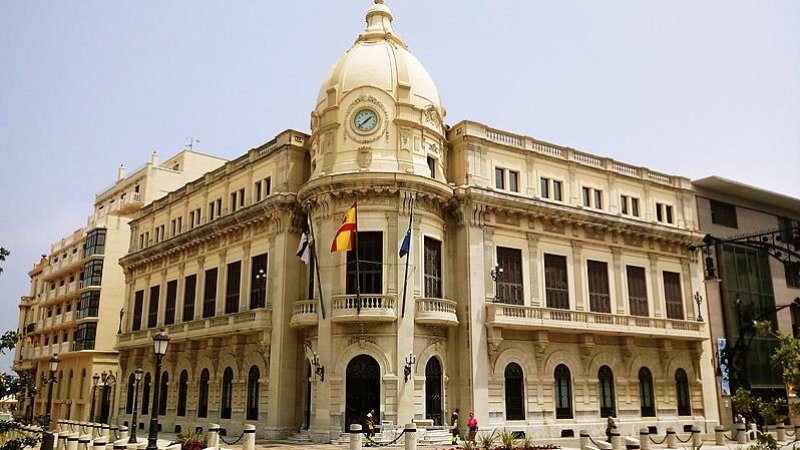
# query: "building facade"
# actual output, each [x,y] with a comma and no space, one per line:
[74,307]
[753,273]
[544,288]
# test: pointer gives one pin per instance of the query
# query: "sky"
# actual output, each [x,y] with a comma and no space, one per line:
[685,87]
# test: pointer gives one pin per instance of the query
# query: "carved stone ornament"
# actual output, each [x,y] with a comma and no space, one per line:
[364,157]
[362,341]
[362,101]
[431,115]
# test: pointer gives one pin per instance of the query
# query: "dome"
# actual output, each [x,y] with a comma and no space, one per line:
[380,59]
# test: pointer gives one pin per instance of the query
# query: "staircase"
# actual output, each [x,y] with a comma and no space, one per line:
[300,438]
[435,436]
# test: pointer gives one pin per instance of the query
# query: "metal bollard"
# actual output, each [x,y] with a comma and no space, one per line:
[585,439]
[616,440]
[99,444]
[741,435]
[213,435]
[781,432]
[249,439]
[644,438]
[719,435]
[697,440]
[672,439]
[355,437]
[410,436]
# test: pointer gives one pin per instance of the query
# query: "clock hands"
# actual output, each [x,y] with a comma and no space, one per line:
[363,122]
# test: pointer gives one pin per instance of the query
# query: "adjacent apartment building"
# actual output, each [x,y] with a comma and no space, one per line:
[543,288]
[752,259]
[74,307]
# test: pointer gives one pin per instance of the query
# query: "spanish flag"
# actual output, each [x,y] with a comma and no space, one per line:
[343,241]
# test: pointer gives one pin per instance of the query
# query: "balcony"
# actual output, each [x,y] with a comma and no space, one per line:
[527,318]
[304,314]
[129,204]
[436,312]
[238,323]
[373,308]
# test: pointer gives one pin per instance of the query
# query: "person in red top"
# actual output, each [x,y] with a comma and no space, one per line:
[472,423]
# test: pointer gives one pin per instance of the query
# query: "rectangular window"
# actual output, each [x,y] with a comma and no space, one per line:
[92,273]
[598,199]
[509,283]
[599,295]
[88,305]
[85,335]
[637,291]
[257,190]
[513,181]
[635,207]
[95,243]
[258,281]
[138,305]
[433,268]
[724,214]
[219,207]
[152,311]
[544,187]
[672,295]
[233,287]
[174,226]
[587,197]
[499,178]
[432,167]
[555,281]
[172,299]
[241,197]
[664,213]
[189,294]
[234,203]
[557,190]
[370,264]
[792,271]
[210,211]
[267,186]
[210,293]
[669,214]
[180,224]
[623,204]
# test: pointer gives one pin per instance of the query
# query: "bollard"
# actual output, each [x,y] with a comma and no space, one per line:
[672,439]
[104,430]
[781,432]
[697,440]
[741,435]
[719,435]
[83,441]
[72,441]
[123,432]
[410,436]
[644,438]
[99,444]
[95,430]
[120,445]
[616,440]
[249,439]
[585,439]
[355,437]
[796,428]
[61,444]
[213,435]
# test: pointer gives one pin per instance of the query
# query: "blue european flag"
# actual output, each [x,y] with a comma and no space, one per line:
[404,247]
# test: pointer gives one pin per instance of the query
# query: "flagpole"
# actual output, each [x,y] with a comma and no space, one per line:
[315,263]
[358,275]
[408,256]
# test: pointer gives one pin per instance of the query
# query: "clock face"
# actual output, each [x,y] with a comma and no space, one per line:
[365,120]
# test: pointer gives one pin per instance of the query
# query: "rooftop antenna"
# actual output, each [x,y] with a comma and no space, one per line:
[190,142]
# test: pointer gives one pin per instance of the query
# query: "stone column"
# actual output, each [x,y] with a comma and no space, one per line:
[655,283]
[619,274]
[534,267]
[577,276]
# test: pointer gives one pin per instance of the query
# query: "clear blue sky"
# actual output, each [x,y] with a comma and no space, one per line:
[692,88]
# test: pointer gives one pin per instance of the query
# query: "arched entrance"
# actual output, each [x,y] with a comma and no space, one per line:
[363,390]
[433,391]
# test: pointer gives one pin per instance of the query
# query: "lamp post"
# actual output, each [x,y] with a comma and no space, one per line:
[95,380]
[698,299]
[496,272]
[411,358]
[319,369]
[137,377]
[160,343]
[47,438]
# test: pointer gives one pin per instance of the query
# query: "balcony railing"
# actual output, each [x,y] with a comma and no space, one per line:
[243,322]
[373,308]
[436,311]
[515,317]
[304,314]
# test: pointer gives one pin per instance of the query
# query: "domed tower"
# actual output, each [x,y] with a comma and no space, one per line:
[378,109]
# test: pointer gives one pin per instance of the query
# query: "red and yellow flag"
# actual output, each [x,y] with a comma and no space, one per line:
[343,241]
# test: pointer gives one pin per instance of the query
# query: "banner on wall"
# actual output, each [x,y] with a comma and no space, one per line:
[722,367]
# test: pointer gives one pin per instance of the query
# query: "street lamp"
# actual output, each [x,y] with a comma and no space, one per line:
[496,272]
[47,438]
[698,299]
[411,358]
[319,369]
[95,380]
[137,377]
[160,343]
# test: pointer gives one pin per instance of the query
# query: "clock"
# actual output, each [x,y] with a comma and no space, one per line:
[365,120]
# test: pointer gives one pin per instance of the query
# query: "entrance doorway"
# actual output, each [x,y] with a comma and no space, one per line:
[307,407]
[363,391]
[433,391]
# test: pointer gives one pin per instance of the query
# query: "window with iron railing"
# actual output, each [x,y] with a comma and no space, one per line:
[509,283]
[370,264]
[605,378]
[555,281]
[433,268]
[646,397]
[563,392]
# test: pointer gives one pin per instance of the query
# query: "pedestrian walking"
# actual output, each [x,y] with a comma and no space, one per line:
[472,423]
[454,426]
[370,428]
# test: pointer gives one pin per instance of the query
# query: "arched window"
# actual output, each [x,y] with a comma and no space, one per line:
[682,393]
[605,378]
[202,394]
[253,393]
[227,393]
[183,392]
[514,394]
[162,394]
[563,392]
[129,401]
[146,394]
[646,401]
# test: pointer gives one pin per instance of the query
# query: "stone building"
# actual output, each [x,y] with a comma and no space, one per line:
[753,273]
[74,305]
[546,288]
